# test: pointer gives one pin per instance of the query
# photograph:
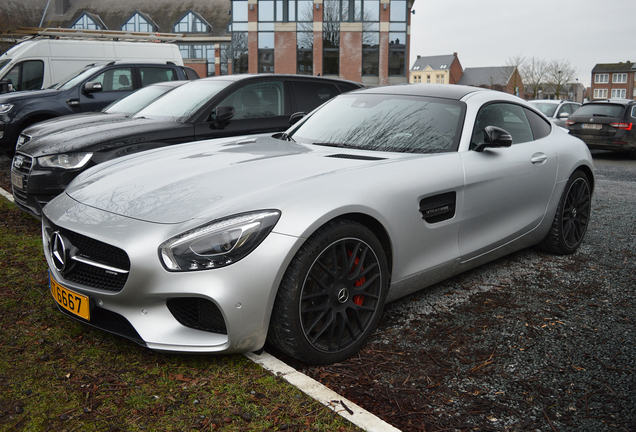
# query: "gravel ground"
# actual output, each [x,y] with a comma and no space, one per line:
[532,341]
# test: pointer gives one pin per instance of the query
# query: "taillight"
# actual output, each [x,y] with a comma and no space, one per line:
[569,122]
[624,126]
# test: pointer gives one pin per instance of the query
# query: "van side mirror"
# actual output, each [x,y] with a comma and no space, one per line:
[5,86]
[294,118]
[222,116]
[92,87]
[494,137]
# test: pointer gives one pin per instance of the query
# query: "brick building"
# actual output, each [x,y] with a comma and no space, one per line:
[360,40]
[613,80]
[502,78]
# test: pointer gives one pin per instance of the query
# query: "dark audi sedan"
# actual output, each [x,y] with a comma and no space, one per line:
[606,125]
[207,108]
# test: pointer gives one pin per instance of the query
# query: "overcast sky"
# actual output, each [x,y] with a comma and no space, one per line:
[489,32]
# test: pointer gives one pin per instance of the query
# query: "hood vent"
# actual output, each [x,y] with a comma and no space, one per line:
[358,157]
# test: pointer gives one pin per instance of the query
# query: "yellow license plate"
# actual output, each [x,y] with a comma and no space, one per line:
[70,300]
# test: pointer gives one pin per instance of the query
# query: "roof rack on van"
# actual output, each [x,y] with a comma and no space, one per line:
[98,34]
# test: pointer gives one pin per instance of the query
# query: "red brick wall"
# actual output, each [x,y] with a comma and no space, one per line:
[351,55]
[200,68]
[285,52]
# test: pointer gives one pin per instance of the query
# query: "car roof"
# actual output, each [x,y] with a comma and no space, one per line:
[611,101]
[260,77]
[456,92]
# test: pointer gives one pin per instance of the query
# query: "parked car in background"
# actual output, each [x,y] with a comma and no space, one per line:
[214,107]
[301,237]
[606,125]
[42,62]
[122,107]
[91,89]
[556,110]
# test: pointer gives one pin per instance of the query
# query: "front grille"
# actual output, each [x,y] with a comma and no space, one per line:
[198,314]
[22,163]
[98,252]
[19,195]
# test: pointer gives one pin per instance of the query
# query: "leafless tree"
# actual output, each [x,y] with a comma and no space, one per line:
[533,73]
[560,73]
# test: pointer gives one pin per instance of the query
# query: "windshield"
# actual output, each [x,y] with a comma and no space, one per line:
[3,62]
[601,110]
[137,100]
[383,122]
[546,108]
[72,80]
[184,101]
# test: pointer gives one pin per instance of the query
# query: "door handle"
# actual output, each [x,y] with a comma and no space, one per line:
[539,158]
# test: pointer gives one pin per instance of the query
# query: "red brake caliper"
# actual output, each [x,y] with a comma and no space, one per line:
[358,299]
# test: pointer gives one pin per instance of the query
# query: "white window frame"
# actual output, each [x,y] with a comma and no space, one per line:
[600,94]
[601,78]
[619,93]
[619,78]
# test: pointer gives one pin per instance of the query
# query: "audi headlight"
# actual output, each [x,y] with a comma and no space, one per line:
[5,108]
[65,161]
[219,243]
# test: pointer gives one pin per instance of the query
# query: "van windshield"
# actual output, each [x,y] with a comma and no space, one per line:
[4,62]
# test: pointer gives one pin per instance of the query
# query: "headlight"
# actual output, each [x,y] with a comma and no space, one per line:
[219,243]
[5,108]
[64,161]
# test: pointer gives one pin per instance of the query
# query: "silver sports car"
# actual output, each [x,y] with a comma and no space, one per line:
[301,238]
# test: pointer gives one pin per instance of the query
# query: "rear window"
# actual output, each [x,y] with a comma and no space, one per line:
[601,110]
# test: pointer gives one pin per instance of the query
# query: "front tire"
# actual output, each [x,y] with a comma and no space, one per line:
[332,295]
[572,216]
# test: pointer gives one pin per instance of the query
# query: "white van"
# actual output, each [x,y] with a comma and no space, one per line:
[39,63]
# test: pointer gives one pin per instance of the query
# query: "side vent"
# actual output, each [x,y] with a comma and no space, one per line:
[438,208]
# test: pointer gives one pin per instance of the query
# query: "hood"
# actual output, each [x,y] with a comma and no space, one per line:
[94,134]
[66,123]
[27,94]
[210,178]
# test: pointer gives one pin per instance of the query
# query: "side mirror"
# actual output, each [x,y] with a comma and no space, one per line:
[564,115]
[5,86]
[222,116]
[92,87]
[294,118]
[495,137]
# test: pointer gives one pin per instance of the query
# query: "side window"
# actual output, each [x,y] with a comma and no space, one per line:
[509,117]
[115,80]
[264,99]
[27,75]
[540,127]
[151,75]
[310,95]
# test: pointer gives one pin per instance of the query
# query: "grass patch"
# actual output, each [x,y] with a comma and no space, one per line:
[58,374]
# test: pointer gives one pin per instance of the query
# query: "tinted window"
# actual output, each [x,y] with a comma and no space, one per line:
[540,127]
[546,108]
[601,110]
[264,99]
[310,95]
[151,75]
[27,75]
[385,123]
[509,117]
[119,79]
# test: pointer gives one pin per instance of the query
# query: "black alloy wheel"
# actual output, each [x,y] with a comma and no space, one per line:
[332,295]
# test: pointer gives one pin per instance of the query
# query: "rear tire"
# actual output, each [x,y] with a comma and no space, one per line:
[572,216]
[332,295]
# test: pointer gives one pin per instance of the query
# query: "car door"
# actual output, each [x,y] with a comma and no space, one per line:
[261,107]
[116,82]
[506,189]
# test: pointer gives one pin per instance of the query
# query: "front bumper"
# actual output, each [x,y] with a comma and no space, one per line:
[224,310]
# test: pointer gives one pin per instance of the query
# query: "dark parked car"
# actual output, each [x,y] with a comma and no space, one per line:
[91,89]
[606,125]
[215,107]
[122,107]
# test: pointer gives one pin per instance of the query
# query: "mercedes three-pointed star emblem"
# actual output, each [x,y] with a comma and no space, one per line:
[59,253]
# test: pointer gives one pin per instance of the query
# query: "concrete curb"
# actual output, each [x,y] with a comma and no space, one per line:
[6,194]
[312,388]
